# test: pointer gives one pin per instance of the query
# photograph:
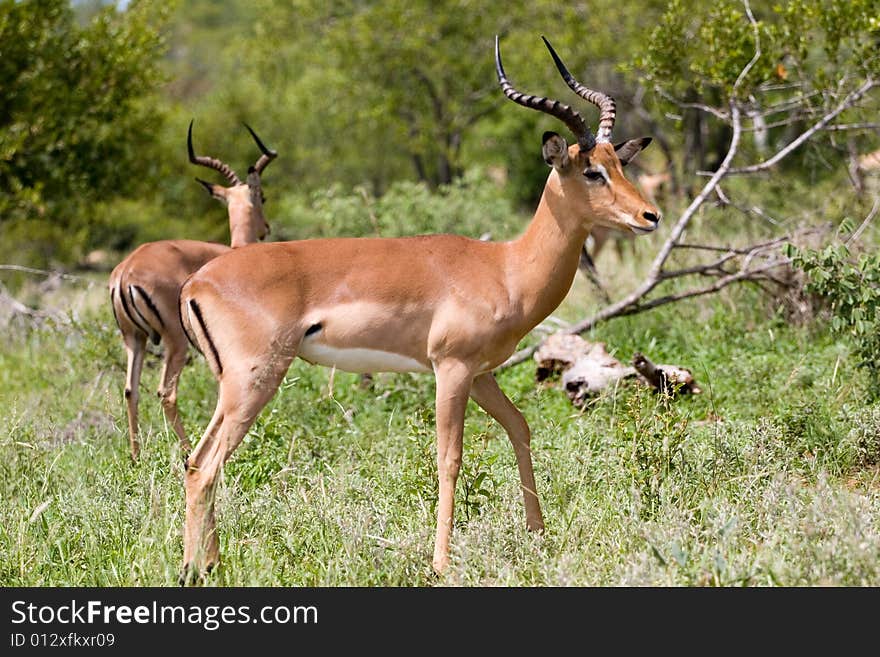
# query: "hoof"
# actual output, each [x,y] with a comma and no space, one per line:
[432,577]
[193,576]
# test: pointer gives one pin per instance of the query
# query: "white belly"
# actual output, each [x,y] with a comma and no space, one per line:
[357,359]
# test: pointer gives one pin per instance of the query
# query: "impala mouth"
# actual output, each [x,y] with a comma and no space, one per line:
[642,230]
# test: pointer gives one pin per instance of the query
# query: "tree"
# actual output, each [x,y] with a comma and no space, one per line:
[76,121]
[392,89]
[804,73]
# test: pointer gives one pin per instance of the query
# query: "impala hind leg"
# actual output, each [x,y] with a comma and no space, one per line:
[172,365]
[486,392]
[241,397]
[453,386]
[135,348]
[200,546]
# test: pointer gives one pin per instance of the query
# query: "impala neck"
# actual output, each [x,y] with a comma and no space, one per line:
[242,234]
[545,258]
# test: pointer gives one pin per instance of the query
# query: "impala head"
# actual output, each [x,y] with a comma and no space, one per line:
[244,199]
[590,170]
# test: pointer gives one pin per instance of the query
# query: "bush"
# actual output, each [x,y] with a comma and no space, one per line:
[851,287]
[469,206]
[863,438]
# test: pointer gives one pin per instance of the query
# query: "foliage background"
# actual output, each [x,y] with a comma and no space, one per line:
[95,98]
[387,119]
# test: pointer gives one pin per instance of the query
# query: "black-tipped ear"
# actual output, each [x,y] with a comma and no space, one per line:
[217,191]
[555,150]
[627,150]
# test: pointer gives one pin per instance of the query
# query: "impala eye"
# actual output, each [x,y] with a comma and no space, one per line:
[595,176]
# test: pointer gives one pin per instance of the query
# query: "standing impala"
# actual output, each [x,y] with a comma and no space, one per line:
[144,287]
[445,304]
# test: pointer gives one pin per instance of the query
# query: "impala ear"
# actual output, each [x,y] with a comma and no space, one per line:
[627,150]
[217,191]
[555,151]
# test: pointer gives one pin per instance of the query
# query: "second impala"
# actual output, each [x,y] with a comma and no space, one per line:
[445,304]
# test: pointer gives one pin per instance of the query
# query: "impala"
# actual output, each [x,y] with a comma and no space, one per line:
[144,287]
[440,304]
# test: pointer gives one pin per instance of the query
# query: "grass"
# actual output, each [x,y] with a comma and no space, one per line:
[769,477]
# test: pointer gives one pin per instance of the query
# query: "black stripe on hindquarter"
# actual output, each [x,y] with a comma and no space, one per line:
[186,330]
[128,314]
[113,307]
[198,314]
[154,336]
[150,304]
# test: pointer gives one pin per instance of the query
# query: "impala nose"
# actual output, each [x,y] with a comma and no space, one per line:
[650,216]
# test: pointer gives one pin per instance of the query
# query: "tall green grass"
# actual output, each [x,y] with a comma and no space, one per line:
[769,477]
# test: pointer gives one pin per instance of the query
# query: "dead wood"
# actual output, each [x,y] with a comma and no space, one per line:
[665,379]
[587,369]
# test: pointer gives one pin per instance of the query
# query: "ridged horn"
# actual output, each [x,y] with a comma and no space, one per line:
[268,154]
[605,103]
[209,162]
[552,107]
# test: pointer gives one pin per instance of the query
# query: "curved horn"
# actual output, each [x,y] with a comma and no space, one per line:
[209,162]
[268,154]
[605,103]
[552,107]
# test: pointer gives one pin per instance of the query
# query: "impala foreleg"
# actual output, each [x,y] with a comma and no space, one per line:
[453,386]
[486,392]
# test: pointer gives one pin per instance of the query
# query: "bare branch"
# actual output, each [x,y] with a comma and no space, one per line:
[858,232]
[852,126]
[707,268]
[754,210]
[40,272]
[18,309]
[851,99]
[792,119]
[708,188]
[742,275]
[708,247]
[714,111]
[748,67]
[787,86]
[788,104]
[743,251]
